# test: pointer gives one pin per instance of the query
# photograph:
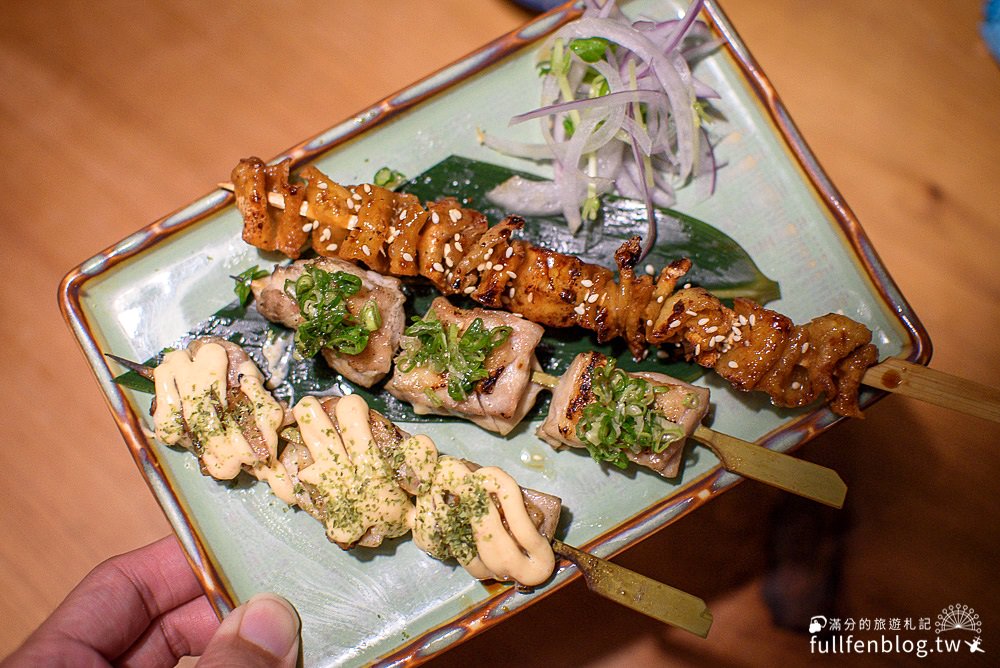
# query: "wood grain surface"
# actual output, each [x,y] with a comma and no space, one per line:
[116,113]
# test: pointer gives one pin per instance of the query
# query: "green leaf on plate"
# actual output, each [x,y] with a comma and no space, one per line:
[720,265]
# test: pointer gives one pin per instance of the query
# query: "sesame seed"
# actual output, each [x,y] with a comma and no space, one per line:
[352,222]
[712,330]
[489,253]
[307,227]
[737,331]
[703,322]
[587,283]
[687,286]
[593,298]
[448,261]
[469,290]
[447,249]
[691,313]
[650,269]
[455,215]
[518,315]
[437,267]
[489,265]
[350,205]
[481,267]
[366,250]
[324,235]
[368,189]
[511,293]
[512,275]
[752,320]
[393,231]
[578,309]
[531,297]
[458,237]
[675,323]
[407,257]
[435,218]
[697,349]
[805,347]
[649,323]
[322,185]
[743,320]
[332,247]
[796,385]
[510,251]
[356,196]
[402,214]
[659,300]
[733,365]
[458,245]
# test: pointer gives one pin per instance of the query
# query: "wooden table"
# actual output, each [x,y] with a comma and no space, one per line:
[116,113]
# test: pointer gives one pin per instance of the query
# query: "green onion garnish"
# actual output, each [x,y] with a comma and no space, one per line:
[446,350]
[388,178]
[623,417]
[322,299]
[243,280]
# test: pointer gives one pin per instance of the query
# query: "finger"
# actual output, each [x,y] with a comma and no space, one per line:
[263,632]
[115,603]
[183,631]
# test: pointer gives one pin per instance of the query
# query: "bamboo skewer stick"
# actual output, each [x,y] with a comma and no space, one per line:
[892,375]
[750,460]
[619,584]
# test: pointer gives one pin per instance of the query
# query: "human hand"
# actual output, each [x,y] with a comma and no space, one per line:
[145,608]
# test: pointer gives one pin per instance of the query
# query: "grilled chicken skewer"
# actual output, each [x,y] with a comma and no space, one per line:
[751,347]
[340,448]
[589,403]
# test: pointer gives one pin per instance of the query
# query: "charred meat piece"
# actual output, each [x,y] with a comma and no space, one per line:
[370,365]
[682,405]
[500,400]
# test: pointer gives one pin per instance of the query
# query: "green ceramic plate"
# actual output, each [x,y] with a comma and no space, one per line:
[395,603]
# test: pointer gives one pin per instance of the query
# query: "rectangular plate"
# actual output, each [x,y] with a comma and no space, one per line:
[395,603]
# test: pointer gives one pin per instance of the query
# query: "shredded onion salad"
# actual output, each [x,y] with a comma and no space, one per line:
[620,112]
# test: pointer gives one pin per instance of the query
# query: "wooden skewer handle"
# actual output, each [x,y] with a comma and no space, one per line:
[638,592]
[935,387]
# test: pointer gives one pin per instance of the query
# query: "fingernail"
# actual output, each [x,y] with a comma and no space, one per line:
[271,623]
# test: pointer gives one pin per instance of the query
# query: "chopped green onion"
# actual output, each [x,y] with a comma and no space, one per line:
[388,178]
[243,280]
[590,49]
[460,355]
[322,298]
[623,417]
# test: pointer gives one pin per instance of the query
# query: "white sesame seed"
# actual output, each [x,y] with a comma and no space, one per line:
[322,185]
[796,385]
[509,252]
[512,275]
[593,298]
[469,290]
[687,286]
[737,331]
[455,215]
[350,205]
[703,322]
[752,320]
[307,227]
[711,330]
[650,269]
[649,323]
[578,309]
[719,339]
[697,349]
[437,267]
[332,247]
[447,249]
[733,365]
[324,235]
[356,196]
[458,246]
[402,214]
[489,265]
[435,218]
[743,320]
[659,300]
[511,293]
[352,222]
[691,313]
[489,253]
[531,297]
[675,323]
[448,261]
[366,250]
[481,268]
[407,257]
[805,347]
[457,237]
[368,189]
[587,283]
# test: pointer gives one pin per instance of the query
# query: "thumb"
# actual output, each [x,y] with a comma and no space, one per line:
[263,632]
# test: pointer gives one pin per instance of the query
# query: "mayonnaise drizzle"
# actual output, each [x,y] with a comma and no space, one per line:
[349,472]
[191,391]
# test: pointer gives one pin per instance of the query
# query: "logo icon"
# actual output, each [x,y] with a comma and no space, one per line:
[958,618]
[817,624]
